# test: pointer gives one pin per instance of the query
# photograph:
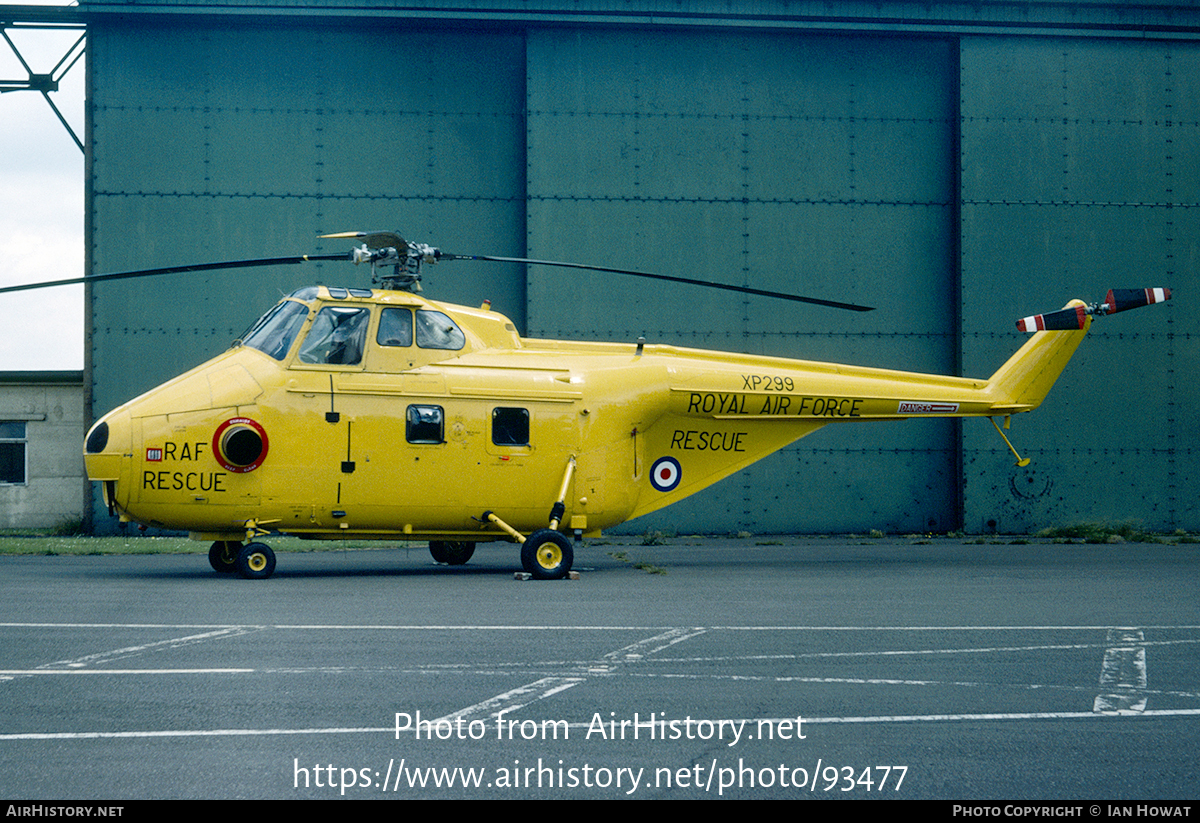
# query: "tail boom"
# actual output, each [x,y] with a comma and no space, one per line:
[767,389]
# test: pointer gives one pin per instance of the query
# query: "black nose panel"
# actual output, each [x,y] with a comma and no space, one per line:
[97,438]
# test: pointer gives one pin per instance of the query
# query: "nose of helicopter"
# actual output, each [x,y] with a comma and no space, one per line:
[107,445]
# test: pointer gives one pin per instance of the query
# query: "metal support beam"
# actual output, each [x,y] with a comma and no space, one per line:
[48,82]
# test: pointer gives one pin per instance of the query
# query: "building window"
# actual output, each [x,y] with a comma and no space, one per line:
[12,452]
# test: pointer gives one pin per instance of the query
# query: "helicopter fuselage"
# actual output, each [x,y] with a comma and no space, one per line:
[370,413]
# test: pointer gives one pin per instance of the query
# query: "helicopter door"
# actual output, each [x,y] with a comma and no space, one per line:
[530,445]
[315,455]
[407,339]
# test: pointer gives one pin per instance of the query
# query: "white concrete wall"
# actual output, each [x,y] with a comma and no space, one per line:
[53,492]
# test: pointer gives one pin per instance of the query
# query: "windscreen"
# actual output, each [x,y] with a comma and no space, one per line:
[276,330]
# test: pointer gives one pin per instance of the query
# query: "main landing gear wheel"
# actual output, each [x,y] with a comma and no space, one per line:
[451,552]
[256,561]
[223,555]
[547,555]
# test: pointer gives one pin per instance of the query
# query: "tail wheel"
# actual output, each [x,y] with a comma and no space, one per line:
[223,555]
[547,555]
[451,552]
[256,561]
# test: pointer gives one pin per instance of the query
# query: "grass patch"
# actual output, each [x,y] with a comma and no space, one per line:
[649,568]
[1101,533]
[640,565]
[81,545]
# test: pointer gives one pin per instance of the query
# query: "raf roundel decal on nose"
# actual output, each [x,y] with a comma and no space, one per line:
[665,474]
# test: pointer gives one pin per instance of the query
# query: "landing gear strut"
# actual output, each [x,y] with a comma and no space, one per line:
[546,554]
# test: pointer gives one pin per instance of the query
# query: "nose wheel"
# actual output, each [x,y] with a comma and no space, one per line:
[256,561]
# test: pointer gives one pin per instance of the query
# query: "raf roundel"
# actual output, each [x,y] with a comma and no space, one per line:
[665,474]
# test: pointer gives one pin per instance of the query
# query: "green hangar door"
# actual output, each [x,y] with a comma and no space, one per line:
[817,165]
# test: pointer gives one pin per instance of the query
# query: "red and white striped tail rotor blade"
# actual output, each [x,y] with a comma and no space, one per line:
[1070,319]
[1125,299]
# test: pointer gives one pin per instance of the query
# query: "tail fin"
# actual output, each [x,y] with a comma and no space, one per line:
[1023,382]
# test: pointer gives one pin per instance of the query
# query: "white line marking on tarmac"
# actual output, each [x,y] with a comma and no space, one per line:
[391,730]
[591,628]
[1123,674]
[549,682]
[518,698]
[40,671]
[132,651]
[905,652]
[514,699]
[641,649]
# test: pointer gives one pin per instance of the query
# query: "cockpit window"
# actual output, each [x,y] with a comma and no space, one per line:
[337,336]
[437,331]
[395,328]
[276,330]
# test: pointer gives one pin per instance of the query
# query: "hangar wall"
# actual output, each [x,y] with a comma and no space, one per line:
[956,181]
[1079,173]
[820,165]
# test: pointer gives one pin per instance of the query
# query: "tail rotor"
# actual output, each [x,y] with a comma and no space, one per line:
[1073,318]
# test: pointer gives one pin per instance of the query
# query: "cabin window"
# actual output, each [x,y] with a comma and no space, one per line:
[424,424]
[437,331]
[276,330]
[12,453]
[336,337]
[510,427]
[395,328]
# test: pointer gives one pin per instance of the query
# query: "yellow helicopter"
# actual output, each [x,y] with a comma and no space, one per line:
[375,413]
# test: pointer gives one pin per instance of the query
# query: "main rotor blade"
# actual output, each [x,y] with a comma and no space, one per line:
[724,286]
[127,275]
[373,239]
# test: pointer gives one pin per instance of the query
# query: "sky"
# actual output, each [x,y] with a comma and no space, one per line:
[41,207]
